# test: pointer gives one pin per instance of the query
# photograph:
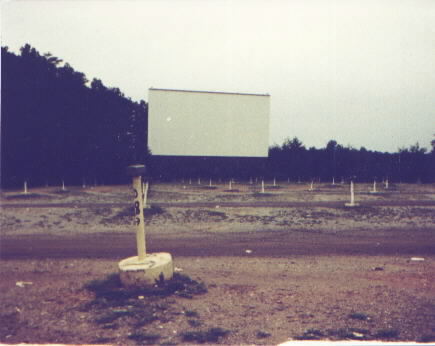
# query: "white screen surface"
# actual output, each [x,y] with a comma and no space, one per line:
[195,123]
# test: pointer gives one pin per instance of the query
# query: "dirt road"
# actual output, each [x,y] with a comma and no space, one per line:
[264,244]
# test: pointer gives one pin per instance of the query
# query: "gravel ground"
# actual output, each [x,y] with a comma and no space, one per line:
[254,275]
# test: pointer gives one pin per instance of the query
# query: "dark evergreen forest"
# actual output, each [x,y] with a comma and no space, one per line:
[56,125]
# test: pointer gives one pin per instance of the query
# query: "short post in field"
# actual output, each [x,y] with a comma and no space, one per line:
[145,187]
[352,196]
[199,181]
[374,187]
[311,186]
[138,216]
[386,184]
[274,181]
[63,185]
[210,183]
[144,269]
[25,187]
[333,180]
[230,186]
[262,186]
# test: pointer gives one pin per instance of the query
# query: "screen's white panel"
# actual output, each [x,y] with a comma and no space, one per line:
[188,123]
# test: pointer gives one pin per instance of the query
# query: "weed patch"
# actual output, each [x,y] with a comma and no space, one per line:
[387,334]
[260,194]
[310,334]
[103,340]
[110,292]
[359,316]
[27,196]
[190,313]
[206,187]
[143,338]
[194,323]
[124,216]
[262,334]
[214,213]
[348,333]
[153,210]
[203,336]
[114,304]
[102,211]
[61,192]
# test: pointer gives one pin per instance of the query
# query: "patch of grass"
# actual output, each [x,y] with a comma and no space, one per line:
[203,336]
[110,316]
[10,323]
[359,316]
[110,292]
[262,334]
[140,306]
[153,210]
[349,333]
[145,315]
[61,192]
[362,209]
[143,338]
[26,196]
[220,214]
[109,289]
[190,313]
[208,187]
[310,334]
[259,194]
[387,334]
[102,211]
[103,340]
[194,323]
[110,326]
[125,215]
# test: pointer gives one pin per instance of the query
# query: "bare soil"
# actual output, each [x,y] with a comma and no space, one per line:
[273,269]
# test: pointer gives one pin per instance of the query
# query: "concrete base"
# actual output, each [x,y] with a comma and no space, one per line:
[147,272]
[351,205]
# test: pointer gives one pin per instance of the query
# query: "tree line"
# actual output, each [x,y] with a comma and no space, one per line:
[56,125]
[293,160]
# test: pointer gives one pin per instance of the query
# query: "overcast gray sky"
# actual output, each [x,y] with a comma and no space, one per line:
[359,72]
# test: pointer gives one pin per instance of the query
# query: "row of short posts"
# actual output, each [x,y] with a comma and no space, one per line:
[63,187]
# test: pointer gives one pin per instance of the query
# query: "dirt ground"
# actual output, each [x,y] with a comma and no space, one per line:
[252,268]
